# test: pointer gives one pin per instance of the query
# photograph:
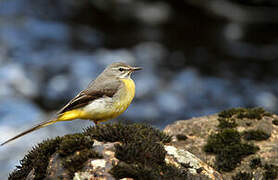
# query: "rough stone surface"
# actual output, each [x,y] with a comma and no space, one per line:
[113,151]
[197,131]
[181,158]
[99,169]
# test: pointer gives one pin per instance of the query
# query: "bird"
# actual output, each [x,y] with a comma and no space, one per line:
[105,98]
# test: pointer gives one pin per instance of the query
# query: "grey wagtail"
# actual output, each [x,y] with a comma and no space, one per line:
[105,98]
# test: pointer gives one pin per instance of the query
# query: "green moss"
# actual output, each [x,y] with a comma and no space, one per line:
[181,137]
[139,171]
[257,135]
[275,122]
[228,148]
[230,112]
[141,152]
[136,171]
[226,123]
[250,113]
[243,176]
[227,118]
[126,132]
[217,141]
[37,158]
[271,172]
[75,149]
[255,163]
[75,162]
[74,142]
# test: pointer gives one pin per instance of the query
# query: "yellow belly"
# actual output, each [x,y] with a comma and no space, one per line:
[104,109]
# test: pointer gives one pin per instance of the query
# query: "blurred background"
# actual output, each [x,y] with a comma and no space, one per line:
[199,57]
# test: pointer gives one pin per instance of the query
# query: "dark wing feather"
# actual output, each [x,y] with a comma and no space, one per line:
[96,90]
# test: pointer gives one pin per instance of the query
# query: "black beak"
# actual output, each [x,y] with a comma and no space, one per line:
[135,68]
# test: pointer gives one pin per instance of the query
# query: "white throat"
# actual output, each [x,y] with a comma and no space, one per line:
[125,76]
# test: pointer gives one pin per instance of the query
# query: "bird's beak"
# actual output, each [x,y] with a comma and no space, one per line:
[135,69]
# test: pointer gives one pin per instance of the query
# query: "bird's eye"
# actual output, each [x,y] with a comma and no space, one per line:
[121,69]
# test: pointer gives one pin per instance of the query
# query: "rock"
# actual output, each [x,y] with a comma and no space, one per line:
[240,143]
[99,168]
[180,157]
[112,151]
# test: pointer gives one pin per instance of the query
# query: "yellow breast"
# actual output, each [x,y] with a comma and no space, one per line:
[130,89]
[125,97]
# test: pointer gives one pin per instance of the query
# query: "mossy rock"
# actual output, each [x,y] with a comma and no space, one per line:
[140,153]
[66,146]
[230,141]
[257,135]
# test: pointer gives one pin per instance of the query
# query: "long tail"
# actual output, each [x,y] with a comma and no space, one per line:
[41,125]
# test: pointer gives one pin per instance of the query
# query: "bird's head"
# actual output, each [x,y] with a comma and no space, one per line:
[120,70]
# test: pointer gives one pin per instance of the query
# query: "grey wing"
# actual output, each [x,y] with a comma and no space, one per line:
[96,90]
